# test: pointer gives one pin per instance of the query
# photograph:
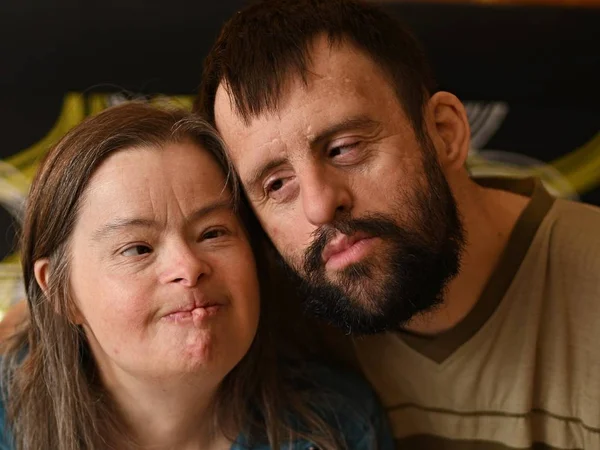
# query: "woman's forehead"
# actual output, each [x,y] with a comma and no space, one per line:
[176,179]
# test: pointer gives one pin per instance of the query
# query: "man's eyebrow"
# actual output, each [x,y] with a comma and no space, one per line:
[137,222]
[352,123]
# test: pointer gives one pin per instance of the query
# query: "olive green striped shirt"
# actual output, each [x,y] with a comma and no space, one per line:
[522,369]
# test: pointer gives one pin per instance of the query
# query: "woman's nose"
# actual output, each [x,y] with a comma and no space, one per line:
[185,266]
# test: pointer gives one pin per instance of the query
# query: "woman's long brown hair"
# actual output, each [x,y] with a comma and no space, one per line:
[50,382]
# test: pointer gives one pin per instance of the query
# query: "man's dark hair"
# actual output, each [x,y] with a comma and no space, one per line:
[265,44]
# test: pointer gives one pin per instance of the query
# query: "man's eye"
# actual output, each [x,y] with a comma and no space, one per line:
[341,149]
[275,185]
[136,250]
[214,233]
[280,189]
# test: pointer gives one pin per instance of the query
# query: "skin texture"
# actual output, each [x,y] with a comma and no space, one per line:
[341,145]
[155,233]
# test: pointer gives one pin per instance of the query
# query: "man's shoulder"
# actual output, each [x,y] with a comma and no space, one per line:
[574,235]
[577,217]
[568,251]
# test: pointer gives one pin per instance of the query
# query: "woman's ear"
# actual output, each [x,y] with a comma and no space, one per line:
[40,268]
[450,124]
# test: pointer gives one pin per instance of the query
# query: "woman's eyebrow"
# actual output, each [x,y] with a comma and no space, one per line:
[121,223]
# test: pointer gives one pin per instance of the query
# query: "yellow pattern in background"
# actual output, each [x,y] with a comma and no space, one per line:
[574,173]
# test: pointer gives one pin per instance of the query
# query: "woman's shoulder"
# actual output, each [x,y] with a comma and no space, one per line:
[8,361]
[336,386]
[5,438]
[347,401]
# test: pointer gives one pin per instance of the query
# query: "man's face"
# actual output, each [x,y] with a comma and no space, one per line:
[356,204]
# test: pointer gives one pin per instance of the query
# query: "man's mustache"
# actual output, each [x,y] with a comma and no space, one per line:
[373,225]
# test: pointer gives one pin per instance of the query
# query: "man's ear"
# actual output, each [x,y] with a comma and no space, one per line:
[41,269]
[451,132]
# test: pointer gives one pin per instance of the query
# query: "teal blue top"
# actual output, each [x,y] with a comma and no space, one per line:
[344,400]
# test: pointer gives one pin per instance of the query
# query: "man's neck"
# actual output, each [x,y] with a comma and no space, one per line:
[170,414]
[489,217]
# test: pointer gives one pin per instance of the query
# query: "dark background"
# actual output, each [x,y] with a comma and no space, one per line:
[543,61]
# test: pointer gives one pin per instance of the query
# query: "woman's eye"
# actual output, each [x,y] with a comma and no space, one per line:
[214,233]
[136,250]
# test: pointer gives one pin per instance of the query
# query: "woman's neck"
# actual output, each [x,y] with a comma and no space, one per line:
[167,415]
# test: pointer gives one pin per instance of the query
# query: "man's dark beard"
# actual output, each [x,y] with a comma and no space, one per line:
[418,263]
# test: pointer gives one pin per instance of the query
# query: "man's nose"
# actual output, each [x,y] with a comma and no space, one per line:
[184,265]
[325,195]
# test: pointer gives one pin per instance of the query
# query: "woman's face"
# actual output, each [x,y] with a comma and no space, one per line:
[162,272]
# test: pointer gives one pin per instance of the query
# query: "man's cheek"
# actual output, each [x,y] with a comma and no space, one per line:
[294,258]
[274,233]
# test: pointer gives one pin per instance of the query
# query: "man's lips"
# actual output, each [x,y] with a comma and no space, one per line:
[344,250]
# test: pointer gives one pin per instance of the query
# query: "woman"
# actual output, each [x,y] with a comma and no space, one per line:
[147,325]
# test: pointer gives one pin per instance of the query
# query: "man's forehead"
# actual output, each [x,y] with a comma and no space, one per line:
[270,124]
[335,68]
[230,122]
[263,137]
[343,84]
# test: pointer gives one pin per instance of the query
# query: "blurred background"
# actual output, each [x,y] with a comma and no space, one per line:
[528,72]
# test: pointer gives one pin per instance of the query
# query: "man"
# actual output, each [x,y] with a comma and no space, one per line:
[480,298]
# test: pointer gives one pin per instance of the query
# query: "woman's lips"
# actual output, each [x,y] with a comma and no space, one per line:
[196,307]
[196,314]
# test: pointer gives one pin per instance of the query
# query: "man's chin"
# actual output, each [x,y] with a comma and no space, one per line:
[363,326]
[364,300]
[357,312]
